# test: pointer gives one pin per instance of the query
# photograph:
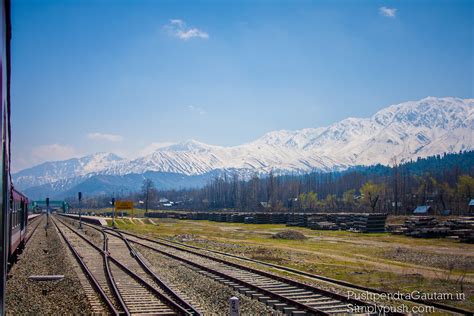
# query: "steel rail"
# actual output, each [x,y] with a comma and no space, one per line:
[110,277]
[28,236]
[168,301]
[179,300]
[303,273]
[162,284]
[88,273]
[297,272]
[268,275]
[281,298]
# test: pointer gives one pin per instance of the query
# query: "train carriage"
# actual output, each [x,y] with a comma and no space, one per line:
[18,221]
[5,179]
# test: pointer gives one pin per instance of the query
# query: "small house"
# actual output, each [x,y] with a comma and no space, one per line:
[471,206]
[423,210]
[263,206]
[446,212]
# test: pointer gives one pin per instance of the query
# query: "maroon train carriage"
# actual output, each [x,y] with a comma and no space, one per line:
[18,221]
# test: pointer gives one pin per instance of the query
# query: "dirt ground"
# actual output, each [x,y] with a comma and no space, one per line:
[44,255]
[383,261]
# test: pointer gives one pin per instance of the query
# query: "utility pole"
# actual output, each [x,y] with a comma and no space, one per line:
[79,197]
[395,183]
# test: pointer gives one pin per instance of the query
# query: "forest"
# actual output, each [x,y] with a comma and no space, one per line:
[445,182]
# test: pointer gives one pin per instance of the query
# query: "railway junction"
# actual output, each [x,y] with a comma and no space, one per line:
[90,268]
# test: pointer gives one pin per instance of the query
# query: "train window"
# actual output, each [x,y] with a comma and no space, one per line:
[16,214]
[22,214]
[13,214]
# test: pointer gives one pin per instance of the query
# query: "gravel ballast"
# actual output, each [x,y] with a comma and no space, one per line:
[211,296]
[45,254]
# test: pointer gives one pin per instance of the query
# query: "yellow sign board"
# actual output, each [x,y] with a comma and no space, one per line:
[124,205]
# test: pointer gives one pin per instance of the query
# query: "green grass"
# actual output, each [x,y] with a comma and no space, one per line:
[354,257]
[137,212]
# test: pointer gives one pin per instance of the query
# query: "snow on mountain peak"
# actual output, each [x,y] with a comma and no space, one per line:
[407,130]
[188,145]
[97,162]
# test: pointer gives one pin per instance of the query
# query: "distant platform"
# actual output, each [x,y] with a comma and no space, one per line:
[32,216]
[97,220]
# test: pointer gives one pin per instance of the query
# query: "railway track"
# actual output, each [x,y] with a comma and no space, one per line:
[120,278]
[349,285]
[274,290]
[34,223]
[286,295]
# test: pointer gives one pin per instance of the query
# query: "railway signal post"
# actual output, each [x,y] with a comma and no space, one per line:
[47,213]
[113,216]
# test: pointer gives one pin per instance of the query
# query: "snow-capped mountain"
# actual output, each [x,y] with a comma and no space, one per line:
[51,172]
[404,131]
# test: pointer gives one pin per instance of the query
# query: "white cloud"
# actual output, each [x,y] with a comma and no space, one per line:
[28,157]
[52,152]
[179,29]
[388,12]
[106,137]
[177,22]
[196,109]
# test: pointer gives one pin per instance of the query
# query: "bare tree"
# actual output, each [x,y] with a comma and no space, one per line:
[148,188]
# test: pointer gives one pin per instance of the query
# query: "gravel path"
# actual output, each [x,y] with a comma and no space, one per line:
[211,296]
[45,254]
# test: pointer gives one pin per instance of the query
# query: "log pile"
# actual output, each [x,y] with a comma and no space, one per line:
[360,222]
[461,228]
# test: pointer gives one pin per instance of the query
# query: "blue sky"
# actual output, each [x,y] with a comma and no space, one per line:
[118,76]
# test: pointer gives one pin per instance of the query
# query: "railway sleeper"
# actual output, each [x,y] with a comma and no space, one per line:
[303,295]
[314,299]
[321,304]
[250,278]
[281,286]
[289,291]
[289,310]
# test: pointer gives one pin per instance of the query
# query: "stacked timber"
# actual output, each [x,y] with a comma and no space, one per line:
[321,222]
[249,220]
[425,227]
[396,229]
[297,219]
[358,222]
[279,218]
[263,218]
[238,218]
[461,228]
[368,223]
[321,225]
[202,216]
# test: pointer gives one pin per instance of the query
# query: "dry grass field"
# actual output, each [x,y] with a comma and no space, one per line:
[383,261]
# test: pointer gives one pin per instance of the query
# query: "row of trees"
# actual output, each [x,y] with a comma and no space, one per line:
[295,195]
[444,182]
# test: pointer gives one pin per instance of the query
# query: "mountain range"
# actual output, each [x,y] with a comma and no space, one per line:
[397,133]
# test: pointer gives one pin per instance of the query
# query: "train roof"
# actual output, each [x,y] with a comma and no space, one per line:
[18,195]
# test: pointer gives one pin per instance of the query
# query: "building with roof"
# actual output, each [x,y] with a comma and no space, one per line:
[423,210]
